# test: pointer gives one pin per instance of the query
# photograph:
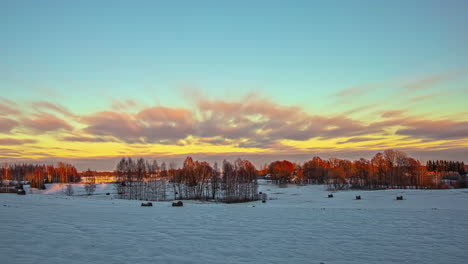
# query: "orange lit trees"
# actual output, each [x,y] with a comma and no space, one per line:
[67,173]
[339,171]
[360,177]
[378,171]
[316,170]
[37,180]
[46,173]
[281,171]
[416,174]
[298,175]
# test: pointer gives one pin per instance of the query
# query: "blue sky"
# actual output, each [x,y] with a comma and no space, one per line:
[311,47]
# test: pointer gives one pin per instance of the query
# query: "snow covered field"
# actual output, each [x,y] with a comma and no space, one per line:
[300,225]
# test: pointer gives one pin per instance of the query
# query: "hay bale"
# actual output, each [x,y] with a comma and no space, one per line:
[179,203]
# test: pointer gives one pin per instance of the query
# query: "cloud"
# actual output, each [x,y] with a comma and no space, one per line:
[13,141]
[215,141]
[87,139]
[360,109]
[357,90]
[358,139]
[427,96]
[263,122]
[151,125]
[160,114]
[392,113]
[123,105]
[7,124]
[44,123]
[54,107]
[251,121]
[264,143]
[429,81]
[434,129]
[8,107]
[119,125]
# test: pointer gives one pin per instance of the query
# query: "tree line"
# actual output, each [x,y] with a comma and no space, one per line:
[38,175]
[237,181]
[390,169]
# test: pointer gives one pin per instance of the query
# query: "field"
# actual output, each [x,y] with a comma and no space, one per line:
[298,225]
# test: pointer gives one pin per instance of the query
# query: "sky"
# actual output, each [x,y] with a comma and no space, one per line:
[92,81]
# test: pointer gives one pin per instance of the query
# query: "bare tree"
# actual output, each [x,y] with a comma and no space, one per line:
[90,185]
[69,190]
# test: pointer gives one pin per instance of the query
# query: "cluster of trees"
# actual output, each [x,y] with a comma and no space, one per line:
[446,166]
[139,179]
[239,181]
[38,175]
[390,169]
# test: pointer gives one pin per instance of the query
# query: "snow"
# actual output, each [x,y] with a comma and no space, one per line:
[299,225]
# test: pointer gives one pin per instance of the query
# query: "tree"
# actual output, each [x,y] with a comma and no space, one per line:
[339,170]
[69,190]
[37,180]
[215,181]
[239,182]
[281,171]
[90,185]
[315,170]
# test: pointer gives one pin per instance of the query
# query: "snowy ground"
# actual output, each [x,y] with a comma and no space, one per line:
[300,225]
